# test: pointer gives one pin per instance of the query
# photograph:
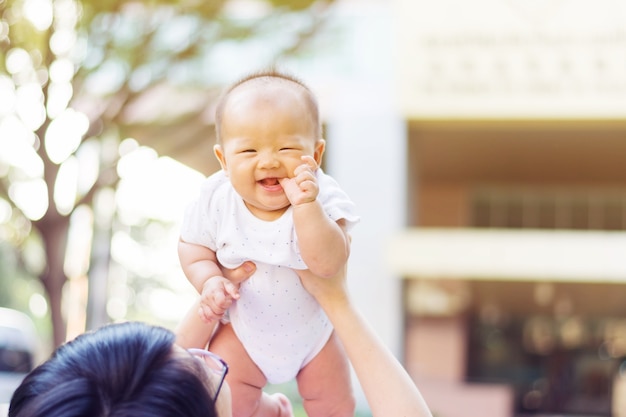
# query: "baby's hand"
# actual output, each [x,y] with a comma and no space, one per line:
[303,187]
[218,293]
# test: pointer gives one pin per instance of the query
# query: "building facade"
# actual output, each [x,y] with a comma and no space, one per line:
[486,146]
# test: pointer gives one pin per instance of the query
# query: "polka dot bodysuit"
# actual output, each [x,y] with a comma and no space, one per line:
[279,323]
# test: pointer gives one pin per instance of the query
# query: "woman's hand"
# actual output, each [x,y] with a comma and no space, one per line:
[330,292]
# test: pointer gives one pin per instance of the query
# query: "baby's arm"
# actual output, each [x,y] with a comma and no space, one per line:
[324,243]
[200,266]
[192,331]
[199,263]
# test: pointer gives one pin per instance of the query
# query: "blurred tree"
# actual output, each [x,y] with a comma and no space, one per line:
[78,76]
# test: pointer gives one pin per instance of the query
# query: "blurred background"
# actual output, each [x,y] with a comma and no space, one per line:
[483,142]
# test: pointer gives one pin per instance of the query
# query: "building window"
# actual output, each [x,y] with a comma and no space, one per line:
[549,209]
[556,366]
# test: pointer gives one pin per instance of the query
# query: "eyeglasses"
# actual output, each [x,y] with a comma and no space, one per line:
[214,363]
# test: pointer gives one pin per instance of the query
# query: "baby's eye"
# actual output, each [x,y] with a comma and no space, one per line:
[247,151]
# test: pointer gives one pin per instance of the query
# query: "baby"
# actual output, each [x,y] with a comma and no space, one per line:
[271,204]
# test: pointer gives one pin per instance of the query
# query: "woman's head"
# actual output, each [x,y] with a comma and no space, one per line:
[129,369]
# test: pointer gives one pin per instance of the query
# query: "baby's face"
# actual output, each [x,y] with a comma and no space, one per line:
[265,132]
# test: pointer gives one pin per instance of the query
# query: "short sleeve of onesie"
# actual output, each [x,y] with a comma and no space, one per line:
[335,201]
[201,223]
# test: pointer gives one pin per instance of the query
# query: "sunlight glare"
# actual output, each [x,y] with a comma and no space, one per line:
[61,71]
[159,297]
[67,12]
[38,305]
[135,162]
[17,60]
[31,197]
[39,12]
[16,147]
[126,251]
[88,165]
[154,187]
[29,105]
[246,9]
[64,135]
[127,146]
[65,186]
[59,96]
[116,308]
[104,206]
[7,92]
[62,41]
[4,30]
[79,240]
[5,211]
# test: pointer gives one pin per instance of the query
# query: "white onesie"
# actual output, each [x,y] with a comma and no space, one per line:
[278,322]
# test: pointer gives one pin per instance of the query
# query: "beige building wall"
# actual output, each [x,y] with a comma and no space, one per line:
[442,204]
[581,159]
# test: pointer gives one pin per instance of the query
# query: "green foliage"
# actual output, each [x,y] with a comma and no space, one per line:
[13,280]
[18,286]
[293,4]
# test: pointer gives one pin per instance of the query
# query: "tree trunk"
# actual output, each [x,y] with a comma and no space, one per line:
[54,235]
[53,284]
[99,277]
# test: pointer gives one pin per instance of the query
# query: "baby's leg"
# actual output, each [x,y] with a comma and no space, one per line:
[325,384]
[246,380]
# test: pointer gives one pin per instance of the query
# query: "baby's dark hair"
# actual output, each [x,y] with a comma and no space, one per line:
[268,76]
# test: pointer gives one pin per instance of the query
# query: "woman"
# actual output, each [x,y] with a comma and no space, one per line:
[128,369]
[134,369]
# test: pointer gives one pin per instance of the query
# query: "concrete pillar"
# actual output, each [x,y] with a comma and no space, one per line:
[366,154]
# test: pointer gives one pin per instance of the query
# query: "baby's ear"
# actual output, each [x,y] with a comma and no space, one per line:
[320,146]
[219,154]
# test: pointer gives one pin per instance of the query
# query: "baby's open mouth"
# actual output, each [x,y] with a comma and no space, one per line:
[269,182]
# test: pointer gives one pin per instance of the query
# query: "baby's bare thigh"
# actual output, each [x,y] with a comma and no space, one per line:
[327,376]
[245,378]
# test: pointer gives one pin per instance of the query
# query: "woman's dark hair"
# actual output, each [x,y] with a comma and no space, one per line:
[119,370]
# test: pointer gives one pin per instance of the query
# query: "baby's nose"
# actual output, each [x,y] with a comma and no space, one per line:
[268,160]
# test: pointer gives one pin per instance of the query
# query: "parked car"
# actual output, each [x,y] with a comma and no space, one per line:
[18,347]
